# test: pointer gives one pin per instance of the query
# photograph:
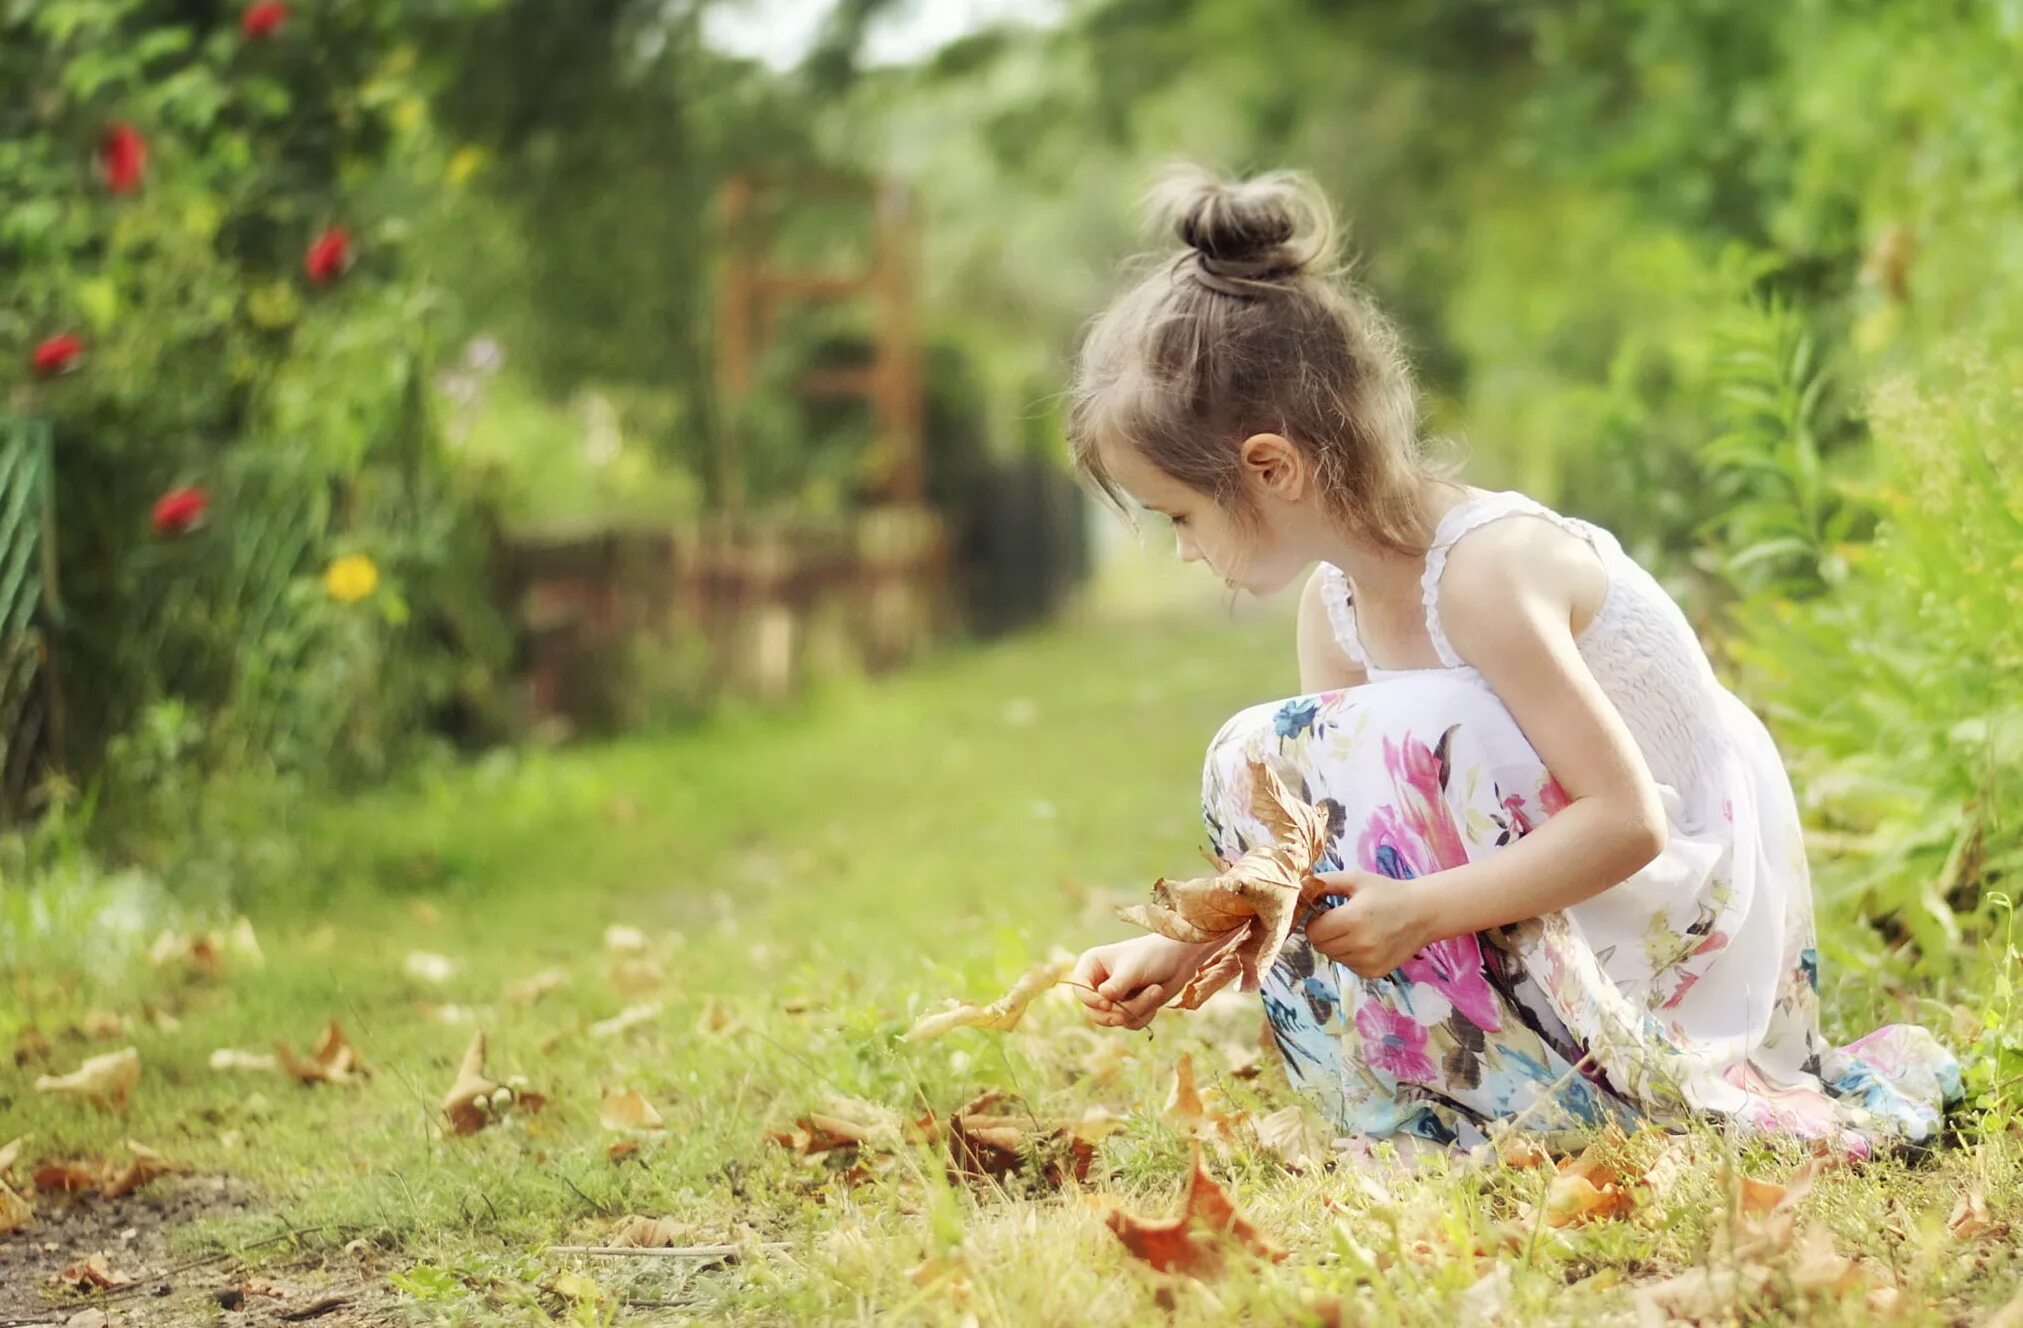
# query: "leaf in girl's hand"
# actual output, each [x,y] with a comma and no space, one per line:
[1251,905]
[1002,1014]
[1198,1240]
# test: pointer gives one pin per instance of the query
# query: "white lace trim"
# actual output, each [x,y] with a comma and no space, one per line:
[1342,613]
[1465,516]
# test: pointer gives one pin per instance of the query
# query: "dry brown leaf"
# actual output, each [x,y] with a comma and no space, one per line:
[716,1019]
[1815,1265]
[631,1017]
[12,1153]
[1197,1241]
[1001,1014]
[1521,1153]
[474,1100]
[622,1149]
[333,1061]
[529,990]
[635,975]
[1702,1293]
[230,1058]
[105,1081]
[15,1212]
[1759,1196]
[1969,1220]
[1186,1108]
[145,1166]
[67,1177]
[103,1025]
[1289,1136]
[625,1109]
[649,1233]
[93,1273]
[621,939]
[1249,907]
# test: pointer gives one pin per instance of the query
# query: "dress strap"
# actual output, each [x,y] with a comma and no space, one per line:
[1342,613]
[1466,516]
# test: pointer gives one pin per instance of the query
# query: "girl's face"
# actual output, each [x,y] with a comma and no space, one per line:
[1262,562]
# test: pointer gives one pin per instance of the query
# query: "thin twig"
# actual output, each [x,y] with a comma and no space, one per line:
[670,1251]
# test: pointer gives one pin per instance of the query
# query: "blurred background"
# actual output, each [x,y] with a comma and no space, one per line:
[391,382]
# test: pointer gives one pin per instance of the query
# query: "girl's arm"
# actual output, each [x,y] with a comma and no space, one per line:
[1323,665]
[1507,601]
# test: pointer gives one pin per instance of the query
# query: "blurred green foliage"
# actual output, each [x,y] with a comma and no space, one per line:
[220,356]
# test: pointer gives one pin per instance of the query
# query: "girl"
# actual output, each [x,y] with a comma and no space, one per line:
[1567,882]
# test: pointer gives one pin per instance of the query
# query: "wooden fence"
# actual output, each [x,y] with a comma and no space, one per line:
[620,627]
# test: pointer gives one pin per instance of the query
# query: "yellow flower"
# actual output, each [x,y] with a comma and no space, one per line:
[465,163]
[351,578]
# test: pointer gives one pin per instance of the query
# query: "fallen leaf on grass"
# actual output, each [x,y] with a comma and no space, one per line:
[529,990]
[434,969]
[716,1019]
[144,1167]
[14,1210]
[66,1177]
[621,1149]
[635,975]
[474,1100]
[103,1025]
[93,1273]
[1593,1186]
[12,1152]
[1287,1135]
[230,1058]
[649,1233]
[1969,1219]
[1197,1241]
[624,1109]
[204,953]
[1002,1014]
[1186,1109]
[631,1017]
[1248,907]
[333,1061]
[105,1080]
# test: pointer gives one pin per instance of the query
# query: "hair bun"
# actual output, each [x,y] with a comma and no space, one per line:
[1269,227]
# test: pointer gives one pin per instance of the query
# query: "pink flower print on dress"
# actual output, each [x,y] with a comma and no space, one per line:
[1885,1052]
[1454,968]
[1389,848]
[1394,1042]
[1415,772]
[1552,797]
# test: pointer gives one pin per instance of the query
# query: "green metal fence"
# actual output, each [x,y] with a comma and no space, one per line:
[28,610]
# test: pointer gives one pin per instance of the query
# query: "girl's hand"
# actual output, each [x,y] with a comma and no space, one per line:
[1383,924]
[1132,979]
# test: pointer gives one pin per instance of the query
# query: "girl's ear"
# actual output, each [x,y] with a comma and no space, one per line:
[1275,463]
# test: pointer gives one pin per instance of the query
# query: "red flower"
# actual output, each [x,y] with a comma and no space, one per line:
[329,256]
[58,354]
[262,19]
[179,509]
[123,157]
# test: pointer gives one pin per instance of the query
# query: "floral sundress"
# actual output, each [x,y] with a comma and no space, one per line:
[1690,989]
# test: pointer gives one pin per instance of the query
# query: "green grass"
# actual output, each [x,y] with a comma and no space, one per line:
[817,878]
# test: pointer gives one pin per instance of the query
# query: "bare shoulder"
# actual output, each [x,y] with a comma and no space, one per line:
[1519,565]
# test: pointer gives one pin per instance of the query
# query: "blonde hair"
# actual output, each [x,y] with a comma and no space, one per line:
[1253,327]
